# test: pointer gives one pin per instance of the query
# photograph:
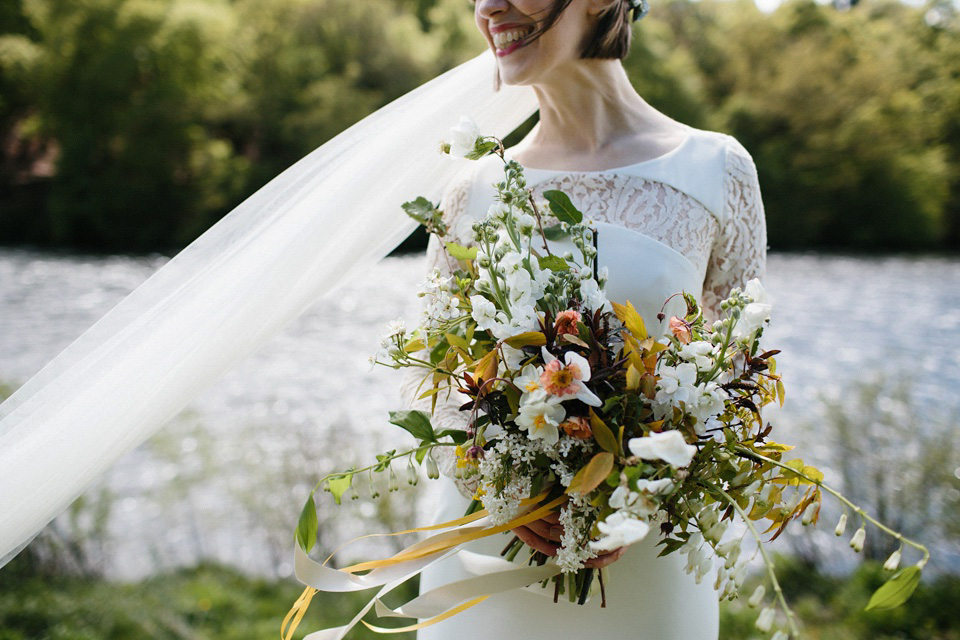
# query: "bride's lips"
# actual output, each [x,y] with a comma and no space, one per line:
[509,37]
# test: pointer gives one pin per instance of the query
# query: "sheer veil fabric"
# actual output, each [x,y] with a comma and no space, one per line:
[331,214]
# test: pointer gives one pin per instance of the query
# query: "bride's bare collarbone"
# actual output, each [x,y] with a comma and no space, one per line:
[624,151]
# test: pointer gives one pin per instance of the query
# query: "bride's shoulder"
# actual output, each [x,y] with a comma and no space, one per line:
[727,150]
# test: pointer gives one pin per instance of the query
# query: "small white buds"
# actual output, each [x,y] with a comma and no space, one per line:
[765,619]
[412,476]
[757,597]
[394,484]
[433,471]
[780,635]
[856,542]
[809,513]
[841,525]
[893,561]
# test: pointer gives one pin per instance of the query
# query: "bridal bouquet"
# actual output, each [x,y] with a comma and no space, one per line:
[573,406]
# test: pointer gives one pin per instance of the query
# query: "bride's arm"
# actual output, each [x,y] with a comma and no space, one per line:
[739,251]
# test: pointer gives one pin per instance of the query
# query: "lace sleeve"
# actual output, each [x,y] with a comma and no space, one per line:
[446,414]
[739,252]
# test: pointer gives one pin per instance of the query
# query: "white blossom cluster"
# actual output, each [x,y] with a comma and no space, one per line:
[575,518]
[440,302]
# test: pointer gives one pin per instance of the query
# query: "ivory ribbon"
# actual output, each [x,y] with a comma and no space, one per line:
[436,605]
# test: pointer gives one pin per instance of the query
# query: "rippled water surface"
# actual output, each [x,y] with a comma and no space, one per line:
[227,478]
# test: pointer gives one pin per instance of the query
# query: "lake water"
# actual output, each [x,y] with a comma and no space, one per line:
[226,479]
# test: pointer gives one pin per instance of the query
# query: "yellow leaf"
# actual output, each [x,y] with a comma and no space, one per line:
[781,392]
[634,351]
[633,378]
[487,366]
[527,339]
[457,341]
[412,346]
[572,339]
[631,320]
[590,477]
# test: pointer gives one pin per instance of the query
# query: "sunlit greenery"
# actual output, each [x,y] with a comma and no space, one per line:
[132,125]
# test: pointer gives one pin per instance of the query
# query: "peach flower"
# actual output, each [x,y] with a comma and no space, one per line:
[681,330]
[577,427]
[567,322]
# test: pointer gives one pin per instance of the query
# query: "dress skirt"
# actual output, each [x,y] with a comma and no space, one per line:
[648,598]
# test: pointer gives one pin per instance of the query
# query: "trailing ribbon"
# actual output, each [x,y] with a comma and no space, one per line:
[435,605]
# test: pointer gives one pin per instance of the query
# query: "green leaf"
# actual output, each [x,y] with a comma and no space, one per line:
[670,545]
[421,210]
[339,486]
[457,435]
[383,461]
[527,339]
[554,263]
[897,590]
[562,207]
[308,525]
[416,422]
[481,148]
[421,454]
[556,232]
[461,252]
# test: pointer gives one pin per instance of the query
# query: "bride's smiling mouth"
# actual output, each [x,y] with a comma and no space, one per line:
[508,38]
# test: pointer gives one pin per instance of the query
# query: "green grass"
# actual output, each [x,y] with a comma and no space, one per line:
[218,603]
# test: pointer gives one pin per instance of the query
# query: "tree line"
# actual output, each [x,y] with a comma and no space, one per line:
[133,125]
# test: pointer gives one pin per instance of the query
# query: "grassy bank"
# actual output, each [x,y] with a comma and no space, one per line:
[209,602]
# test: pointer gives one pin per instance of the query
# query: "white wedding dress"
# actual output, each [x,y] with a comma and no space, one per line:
[690,220]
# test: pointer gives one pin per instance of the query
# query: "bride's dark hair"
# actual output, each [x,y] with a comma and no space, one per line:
[610,40]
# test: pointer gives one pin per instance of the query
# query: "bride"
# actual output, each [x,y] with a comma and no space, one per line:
[693,197]
[685,202]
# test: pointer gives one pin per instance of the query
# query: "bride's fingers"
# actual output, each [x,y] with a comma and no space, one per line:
[604,559]
[545,529]
[535,541]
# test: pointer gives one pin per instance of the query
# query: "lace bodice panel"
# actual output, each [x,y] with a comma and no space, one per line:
[726,254]
[726,249]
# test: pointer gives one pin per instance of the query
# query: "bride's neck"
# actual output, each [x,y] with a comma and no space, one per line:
[588,107]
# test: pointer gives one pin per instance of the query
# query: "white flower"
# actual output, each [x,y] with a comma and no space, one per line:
[632,502]
[396,327]
[529,379]
[540,415]
[484,313]
[674,380]
[526,223]
[498,211]
[511,358]
[756,313]
[592,296]
[463,137]
[664,485]
[699,353]
[668,446]
[757,597]
[619,530]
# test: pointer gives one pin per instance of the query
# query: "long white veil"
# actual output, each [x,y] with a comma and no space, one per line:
[332,213]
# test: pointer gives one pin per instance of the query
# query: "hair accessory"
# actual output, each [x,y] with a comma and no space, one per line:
[640,8]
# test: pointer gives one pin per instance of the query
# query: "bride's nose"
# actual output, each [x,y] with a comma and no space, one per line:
[489,8]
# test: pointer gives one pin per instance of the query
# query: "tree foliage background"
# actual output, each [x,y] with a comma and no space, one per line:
[132,125]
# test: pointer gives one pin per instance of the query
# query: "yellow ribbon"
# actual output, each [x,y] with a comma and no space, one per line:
[293,618]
